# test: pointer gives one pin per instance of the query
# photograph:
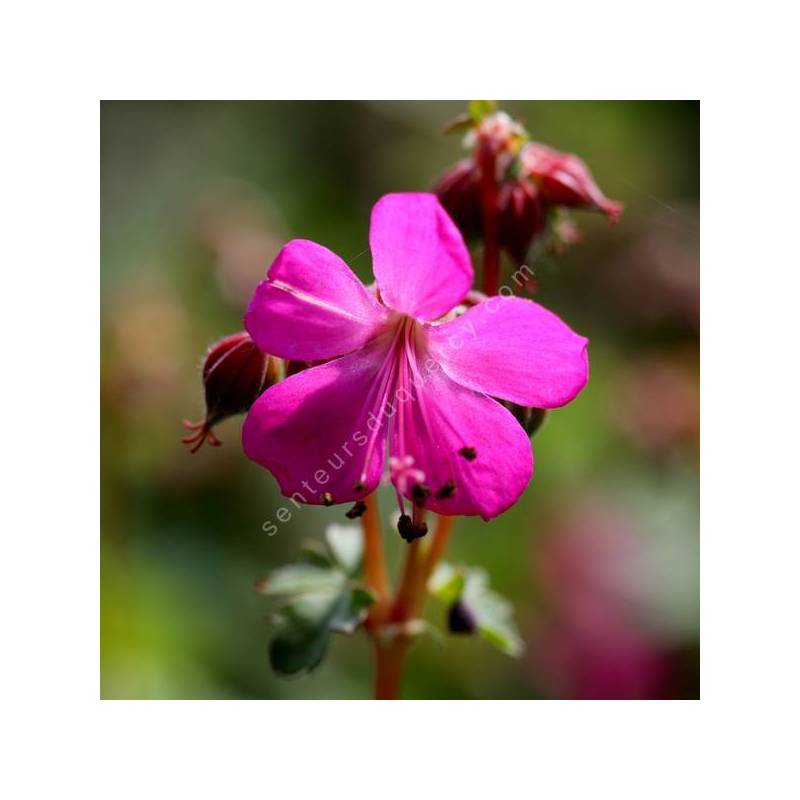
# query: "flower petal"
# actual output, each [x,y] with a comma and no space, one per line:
[439,421]
[513,349]
[312,430]
[418,255]
[312,306]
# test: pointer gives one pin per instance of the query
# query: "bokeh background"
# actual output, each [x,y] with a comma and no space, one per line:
[600,557]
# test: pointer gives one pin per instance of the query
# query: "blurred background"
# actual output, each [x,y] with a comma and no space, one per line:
[600,557]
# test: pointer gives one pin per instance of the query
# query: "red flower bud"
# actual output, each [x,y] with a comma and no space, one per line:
[459,192]
[565,180]
[521,216]
[235,373]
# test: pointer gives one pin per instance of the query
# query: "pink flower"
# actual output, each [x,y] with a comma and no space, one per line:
[404,374]
[564,179]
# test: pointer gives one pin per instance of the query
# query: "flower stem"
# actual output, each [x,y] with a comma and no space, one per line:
[390,660]
[390,657]
[376,575]
[489,190]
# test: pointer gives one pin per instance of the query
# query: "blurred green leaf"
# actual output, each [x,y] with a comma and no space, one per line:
[297,649]
[315,597]
[446,583]
[494,615]
[350,610]
[314,552]
[299,579]
[346,544]
[479,109]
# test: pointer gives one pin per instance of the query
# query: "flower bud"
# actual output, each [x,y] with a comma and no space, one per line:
[460,619]
[459,193]
[564,179]
[235,373]
[521,216]
[530,419]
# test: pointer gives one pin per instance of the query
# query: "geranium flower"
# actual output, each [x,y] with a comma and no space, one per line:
[405,372]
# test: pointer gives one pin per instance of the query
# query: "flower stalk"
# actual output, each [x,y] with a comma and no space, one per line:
[391,646]
[487,163]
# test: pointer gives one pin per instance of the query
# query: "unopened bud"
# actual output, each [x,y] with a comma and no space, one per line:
[235,373]
[458,191]
[565,180]
[530,419]
[521,216]
[460,619]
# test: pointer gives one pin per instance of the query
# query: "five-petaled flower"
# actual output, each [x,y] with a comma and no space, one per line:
[402,370]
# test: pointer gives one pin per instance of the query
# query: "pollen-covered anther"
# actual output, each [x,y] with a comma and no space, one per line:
[408,530]
[469,453]
[420,493]
[357,510]
[327,499]
[448,490]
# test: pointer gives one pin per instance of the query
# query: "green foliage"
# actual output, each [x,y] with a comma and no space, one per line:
[479,109]
[313,598]
[492,612]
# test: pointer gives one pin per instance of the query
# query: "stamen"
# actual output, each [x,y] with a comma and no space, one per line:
[420,492]
[386,374]
[448,490]
[469,453]
[202,433]
[327,499]
[409,530]
[357,510]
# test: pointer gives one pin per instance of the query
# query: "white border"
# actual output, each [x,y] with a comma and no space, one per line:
[60,59]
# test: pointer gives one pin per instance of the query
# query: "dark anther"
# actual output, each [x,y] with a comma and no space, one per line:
[408,530]
[327,499]
[419,493]
[460,619]
[359,487]
[448,490]
[357,510]
[468,453]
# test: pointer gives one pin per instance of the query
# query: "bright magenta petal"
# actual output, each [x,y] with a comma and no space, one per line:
[315,431]
[513,349]
[312,306]
[437,423]
[419,257]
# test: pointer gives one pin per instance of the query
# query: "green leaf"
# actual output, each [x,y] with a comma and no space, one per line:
[350,610]
[346,544]
[299,579]
[315,552]
[479,109]
[494,615]
[297,649]
[446,583]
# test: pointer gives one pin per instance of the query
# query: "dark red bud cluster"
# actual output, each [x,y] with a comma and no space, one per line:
[565,180]
[531,183]
[460,194]
[235,373]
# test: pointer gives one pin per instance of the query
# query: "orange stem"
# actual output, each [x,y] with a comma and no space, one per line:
[375,573]
[390,658]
